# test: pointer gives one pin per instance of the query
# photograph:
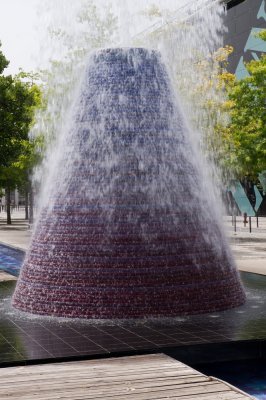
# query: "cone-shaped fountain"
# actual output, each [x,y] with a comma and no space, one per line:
[126,232]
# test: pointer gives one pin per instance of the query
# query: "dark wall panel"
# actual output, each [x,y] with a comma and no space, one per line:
[243,22]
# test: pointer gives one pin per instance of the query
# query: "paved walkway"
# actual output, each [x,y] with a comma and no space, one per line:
[16,235]
[249,248]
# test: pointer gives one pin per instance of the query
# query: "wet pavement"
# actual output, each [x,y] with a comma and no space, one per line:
[16,235]
[236,333]
[29,338]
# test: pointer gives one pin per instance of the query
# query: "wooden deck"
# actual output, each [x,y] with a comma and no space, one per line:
[129,378]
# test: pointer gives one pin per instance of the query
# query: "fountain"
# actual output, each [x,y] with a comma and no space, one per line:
[128,230]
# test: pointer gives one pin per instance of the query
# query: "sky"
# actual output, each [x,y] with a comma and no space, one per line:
[21,22]
[18,22]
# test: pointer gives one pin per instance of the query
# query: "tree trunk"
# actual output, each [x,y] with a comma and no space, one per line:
[26,204]
[31,204]
[8,206]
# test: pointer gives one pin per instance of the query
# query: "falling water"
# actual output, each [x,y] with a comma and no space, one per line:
[185,32]
[128,226]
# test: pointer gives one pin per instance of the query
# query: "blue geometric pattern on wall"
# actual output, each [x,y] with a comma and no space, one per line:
[254,43]
[259,198]
[241,71]
[262,11]
[241,199]
[254,46]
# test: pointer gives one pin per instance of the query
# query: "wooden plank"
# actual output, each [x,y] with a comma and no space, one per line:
[119,392]
[105,386]
[94,375]
[100,380]
[129,378]
[102,364]
[210,396]
[62,396]
[121,395]
[79,369]
[158,358]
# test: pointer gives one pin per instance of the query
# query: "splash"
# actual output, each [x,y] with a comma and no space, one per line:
[129,221]
[186,33]
[125,233]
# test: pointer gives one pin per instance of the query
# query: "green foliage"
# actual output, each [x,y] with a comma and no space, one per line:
[98,29]
[18,100]
[94,29]
[19,97]
[3,61]
[245,135]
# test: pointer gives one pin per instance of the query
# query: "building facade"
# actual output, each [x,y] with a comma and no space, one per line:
[244,20]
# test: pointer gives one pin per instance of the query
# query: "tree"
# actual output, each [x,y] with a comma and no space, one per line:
[245,135]
[18,99]
[3,61]
[197,64]
[229,114]
[31,156]
[92,31]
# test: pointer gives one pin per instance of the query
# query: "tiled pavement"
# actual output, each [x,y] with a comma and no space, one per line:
[29,338]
